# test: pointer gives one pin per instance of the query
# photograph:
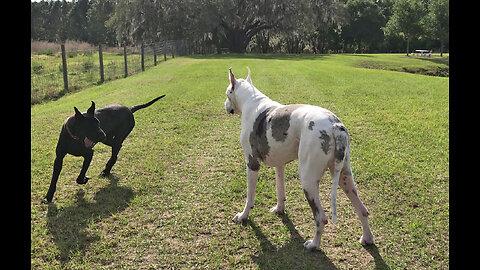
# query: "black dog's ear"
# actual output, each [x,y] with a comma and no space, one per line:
[91,110]
[78,114]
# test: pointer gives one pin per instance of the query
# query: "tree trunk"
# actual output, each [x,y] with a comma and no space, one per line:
[237,40]
[441,47]
[408,45]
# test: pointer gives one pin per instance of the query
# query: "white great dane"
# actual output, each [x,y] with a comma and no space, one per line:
[277,134]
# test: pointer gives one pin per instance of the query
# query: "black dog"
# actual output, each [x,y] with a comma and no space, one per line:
[110,124]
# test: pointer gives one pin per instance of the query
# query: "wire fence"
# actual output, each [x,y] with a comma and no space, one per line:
[51,79]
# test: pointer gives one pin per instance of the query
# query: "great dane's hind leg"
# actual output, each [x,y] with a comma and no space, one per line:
[252,179]
[111,161]
[311,193]
[280,187]
[116,146]
[309,177]
[348,186]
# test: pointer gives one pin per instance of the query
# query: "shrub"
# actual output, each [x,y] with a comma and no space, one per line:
[37,67]
[46,52]
[87,65]
[72,54]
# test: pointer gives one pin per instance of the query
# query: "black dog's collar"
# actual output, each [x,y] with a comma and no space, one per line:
[70,133]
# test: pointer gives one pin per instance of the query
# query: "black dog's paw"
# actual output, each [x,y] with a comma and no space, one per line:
[47,200]
[105,174]
[83,181]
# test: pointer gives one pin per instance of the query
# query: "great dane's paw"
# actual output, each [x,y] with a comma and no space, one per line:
[104,174]
[366,240]
[83,181]
[239,218]
[278,210]
[310,245]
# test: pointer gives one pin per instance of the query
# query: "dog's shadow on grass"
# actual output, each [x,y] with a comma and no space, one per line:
[292,255]
[68,226]
[379,262]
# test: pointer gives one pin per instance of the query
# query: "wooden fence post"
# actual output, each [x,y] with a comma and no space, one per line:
[64,64]
[164,52]
[100,58]
[125,59]
[154,54]
[143,58]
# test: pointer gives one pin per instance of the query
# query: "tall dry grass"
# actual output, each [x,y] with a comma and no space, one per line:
[39,45]
[70,45]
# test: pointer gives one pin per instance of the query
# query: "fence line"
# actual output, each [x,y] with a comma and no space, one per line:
[75,70]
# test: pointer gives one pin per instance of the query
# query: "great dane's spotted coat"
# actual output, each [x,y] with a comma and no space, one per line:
[277,134]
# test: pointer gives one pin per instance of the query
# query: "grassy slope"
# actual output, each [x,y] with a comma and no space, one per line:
[180,176]
[434,65]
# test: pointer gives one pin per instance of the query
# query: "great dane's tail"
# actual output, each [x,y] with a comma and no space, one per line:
[141,106]
[341,155]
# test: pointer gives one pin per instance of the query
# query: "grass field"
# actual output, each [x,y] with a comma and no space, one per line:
[180,176]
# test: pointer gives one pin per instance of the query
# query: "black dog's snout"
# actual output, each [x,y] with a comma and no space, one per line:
[231,111]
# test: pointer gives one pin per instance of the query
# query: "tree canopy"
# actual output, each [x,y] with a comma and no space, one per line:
[318,26]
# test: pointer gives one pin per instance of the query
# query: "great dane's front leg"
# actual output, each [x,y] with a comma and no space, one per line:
[280,187]
[252,179]
[57,168]
[87,158]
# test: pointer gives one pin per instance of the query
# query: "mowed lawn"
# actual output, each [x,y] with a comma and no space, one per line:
[181,176]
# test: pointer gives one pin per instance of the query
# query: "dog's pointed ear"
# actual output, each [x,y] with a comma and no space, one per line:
[249,79]
[78,114]
[91,110]
[232,79]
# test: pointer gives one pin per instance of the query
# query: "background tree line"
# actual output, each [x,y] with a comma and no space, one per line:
[318,26]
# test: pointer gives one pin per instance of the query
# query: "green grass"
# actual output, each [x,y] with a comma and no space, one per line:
[180,176]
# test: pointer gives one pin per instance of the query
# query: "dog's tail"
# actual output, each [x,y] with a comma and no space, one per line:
[141,106]
[341,155]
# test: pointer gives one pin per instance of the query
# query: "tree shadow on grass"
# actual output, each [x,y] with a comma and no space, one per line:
[290,256]
[68,225]
[437,60]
